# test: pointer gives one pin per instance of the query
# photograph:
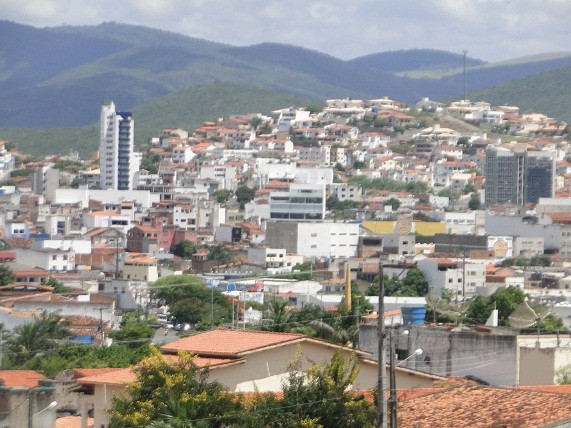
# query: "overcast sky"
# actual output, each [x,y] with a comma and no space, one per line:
[489,29]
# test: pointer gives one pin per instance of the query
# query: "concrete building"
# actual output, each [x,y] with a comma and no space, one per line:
[499,357]
[517,174]
[237,363]
[326,239]
[460,276]
[118,161]
[302,201]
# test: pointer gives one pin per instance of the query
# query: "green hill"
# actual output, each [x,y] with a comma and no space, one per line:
[547,93]
[183,109]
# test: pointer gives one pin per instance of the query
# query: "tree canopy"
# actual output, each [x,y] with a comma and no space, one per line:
[191,302]
[174,392]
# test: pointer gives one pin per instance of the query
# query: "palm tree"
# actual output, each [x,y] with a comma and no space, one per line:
[30,339]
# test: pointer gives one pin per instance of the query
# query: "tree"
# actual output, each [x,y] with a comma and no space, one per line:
[413,284]
[221,254]
[132,329]
[255,122]
[394,203]
[39,336]
[505,300]
[244,194]
[174,393]
[322,397]
[280,316]
[191,302]
[315,108]
[474,202]
[6,275]
[58,286]
[184,249]
[469,188]
[222,195]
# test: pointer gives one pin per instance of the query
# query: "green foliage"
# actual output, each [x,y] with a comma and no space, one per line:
[184,249]
[6,275]
[133,330]
[394,203]
[388,184]
[463,141]
[221,254]
[474,202]
[563,375]
[244,194]
[359,164]
[31,340]
[322,395]
[314,108]
[175,392]
[150,162]
[448,192]
[72,355]
[186,109]
[333,203]
[301,272]
[222,195]
[69,166]
[413,284]
[469,188]
[24,172]
[505,300]
[191,302]
[58,286]
[538,260]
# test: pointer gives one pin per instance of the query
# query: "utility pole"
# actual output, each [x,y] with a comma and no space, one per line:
[392,380]
[382,371]
[465,52]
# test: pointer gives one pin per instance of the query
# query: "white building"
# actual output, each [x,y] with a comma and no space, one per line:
[223,174]
[302,201]
[47,259]
[118,161]
[329,239]
[460,276]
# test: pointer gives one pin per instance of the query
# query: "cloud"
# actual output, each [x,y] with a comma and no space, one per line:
[489,29]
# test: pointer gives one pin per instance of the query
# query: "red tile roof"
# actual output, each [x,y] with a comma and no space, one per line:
[229,343]
[484,407]
[20,378]
[72,422]
[127,375]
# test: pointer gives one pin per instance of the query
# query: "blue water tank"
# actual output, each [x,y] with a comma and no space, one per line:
[413,315]
[87,340]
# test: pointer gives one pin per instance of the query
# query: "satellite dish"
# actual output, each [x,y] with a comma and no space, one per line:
[442,306]
[525,316]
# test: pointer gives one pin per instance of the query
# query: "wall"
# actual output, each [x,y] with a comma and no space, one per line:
[490,357]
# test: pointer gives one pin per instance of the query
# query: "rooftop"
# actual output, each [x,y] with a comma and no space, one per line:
[230,343]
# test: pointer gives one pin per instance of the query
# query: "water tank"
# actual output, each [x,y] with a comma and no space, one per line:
[86,340]
[413,315]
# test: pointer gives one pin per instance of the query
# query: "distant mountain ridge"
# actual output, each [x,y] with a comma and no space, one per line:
[412,59]
[58,77]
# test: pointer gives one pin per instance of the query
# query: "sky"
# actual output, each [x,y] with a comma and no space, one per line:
[491,30]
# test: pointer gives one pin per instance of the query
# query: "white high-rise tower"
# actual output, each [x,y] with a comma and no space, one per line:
[118,162]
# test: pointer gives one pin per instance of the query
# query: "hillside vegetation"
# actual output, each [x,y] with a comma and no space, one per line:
[546,93]
[183,109]
[58,77]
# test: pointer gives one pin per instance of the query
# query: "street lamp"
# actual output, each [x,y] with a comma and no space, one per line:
[31,415]
[393,383]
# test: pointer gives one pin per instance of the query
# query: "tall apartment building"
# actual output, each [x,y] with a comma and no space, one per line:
[301,202]
[117,160]
[515,173]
